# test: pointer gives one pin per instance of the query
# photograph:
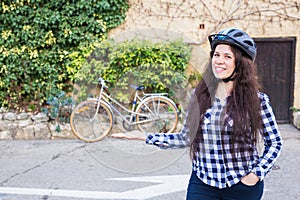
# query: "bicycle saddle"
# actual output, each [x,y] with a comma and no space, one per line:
[136,87]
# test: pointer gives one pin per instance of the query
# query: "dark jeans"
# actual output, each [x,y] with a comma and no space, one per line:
[197,190]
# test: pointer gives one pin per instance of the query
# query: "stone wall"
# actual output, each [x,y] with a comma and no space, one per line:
[196,20]
[296,119]
[28,126]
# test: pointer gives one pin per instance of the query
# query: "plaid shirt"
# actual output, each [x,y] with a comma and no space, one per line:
[213,164]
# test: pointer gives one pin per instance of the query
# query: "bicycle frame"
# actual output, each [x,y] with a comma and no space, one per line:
[103,97]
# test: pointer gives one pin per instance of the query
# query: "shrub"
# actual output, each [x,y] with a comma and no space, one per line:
[159,66]
[42,41]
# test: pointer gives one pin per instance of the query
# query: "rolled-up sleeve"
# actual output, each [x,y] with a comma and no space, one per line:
[170,140]
[272,139]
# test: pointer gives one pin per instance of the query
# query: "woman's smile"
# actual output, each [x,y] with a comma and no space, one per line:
[219,69]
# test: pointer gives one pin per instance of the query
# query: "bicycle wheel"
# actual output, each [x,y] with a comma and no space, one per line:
[86,125]
[157,115]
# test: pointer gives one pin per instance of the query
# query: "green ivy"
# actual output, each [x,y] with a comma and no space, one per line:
[44,42]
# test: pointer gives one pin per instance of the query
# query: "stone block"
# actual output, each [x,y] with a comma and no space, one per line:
[4,125]
[25,133]
[40,117]
[23,123]
[10,116]
[22,116]
[64,133]
[41,131]
[296,119]
[5,135]
[10,127]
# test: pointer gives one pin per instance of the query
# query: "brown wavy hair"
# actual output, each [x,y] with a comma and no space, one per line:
[243,105]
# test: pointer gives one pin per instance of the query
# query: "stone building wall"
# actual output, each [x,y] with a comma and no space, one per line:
[195,20]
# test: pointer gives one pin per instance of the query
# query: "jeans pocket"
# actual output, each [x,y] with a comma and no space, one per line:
[248,192]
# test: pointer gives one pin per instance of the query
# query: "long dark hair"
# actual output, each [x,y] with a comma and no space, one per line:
[243,105]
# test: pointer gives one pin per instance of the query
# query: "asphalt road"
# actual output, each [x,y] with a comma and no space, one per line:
[120,169]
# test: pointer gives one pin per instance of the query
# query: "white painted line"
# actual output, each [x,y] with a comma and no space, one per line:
[165,185]
[61,193]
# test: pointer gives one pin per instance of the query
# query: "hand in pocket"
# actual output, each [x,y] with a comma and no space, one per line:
[250,179]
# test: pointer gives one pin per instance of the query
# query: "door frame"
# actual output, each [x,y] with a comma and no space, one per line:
[293,41]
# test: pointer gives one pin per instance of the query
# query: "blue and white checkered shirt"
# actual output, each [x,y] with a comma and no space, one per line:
[213,164]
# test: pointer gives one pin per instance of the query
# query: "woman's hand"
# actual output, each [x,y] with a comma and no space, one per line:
[127,136]
[250,179]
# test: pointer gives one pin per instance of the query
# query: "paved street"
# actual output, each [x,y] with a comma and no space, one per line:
[120,169]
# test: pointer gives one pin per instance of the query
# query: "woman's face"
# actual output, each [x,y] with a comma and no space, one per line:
[223,61]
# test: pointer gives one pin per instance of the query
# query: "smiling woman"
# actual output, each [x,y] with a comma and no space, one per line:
[226,117]
[232,111]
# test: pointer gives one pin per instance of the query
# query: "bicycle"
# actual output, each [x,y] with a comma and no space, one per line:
[93,119]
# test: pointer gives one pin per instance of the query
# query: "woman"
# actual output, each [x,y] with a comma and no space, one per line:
[225,119]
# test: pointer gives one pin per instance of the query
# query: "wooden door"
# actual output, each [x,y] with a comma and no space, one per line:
[275,66]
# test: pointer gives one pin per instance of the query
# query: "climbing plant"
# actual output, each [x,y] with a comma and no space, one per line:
[41,42]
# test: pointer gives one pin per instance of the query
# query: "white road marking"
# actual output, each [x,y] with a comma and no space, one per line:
[166,185]
[61,193]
